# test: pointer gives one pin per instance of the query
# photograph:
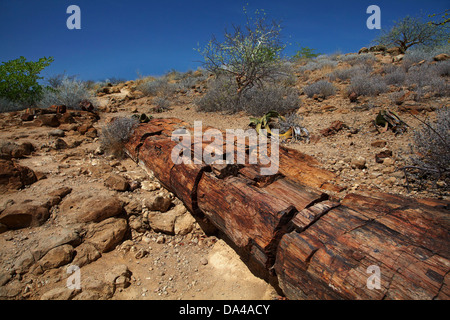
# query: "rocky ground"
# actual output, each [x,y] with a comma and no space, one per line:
[64,203]
[130,238]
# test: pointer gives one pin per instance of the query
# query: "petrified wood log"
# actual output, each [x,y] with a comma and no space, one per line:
[319,247]
[333,257]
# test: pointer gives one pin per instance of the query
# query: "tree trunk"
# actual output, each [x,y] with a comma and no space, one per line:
[376,246]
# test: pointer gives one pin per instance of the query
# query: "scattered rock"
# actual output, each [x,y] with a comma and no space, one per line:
[105,235]
[388,161]
[57,257]
[9,150]
[381,155]
[165,221]
[150,186]
[60,144]
[204,261]
[358,163]
[118,276]
[379,144]
[60,294]
[27,117]
[48,120]
[158,202]
[394,51]
[334,128]
[56,133]
[117,182]
[160,239]
[95,289]
[85,254]
[441,57]
[390,181]
[184,224]
[398,58]
[353,97]
[14,176]
[24,215]
[378,48]
[96,209]
[61,192]
[363,50]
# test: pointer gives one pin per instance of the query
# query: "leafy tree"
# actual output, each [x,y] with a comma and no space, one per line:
[411,31]
[305,53]
[19,80]
[445,18]
[249,55]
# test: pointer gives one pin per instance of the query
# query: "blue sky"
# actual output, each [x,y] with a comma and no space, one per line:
[120,38]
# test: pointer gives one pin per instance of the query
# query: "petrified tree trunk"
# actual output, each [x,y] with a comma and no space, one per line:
[319,247]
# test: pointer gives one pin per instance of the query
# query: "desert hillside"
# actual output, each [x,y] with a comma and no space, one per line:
[66,200]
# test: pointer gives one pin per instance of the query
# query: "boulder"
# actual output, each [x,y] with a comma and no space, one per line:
[60,294]
[24,215]
[158,202]
[48,120]
[184,224]
[165,221]
[117,182]
[85,254]
[441,57]
[9,150]
[96,209]
[60,144]
[378,48]
[58,108]
[363,50]
[118,276]
[398,58]
[57,257]
[394,51]
[105,235]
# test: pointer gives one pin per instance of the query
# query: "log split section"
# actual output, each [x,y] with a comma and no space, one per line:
[376,246]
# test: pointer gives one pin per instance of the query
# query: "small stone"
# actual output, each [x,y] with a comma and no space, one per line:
[204,261]
[117,182]
[388,161]
[56,133]
[390,181]
[159,203]
[379,144]
[359,163]
[60,144]
[160,239]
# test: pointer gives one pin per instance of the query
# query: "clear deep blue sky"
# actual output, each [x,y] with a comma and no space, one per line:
[119,38]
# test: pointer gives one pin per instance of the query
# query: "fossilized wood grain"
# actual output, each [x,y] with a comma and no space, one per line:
[318,246]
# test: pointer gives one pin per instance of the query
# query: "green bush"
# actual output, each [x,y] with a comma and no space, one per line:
[19,80]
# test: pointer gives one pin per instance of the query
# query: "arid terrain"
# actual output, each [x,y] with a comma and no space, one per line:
[131,238]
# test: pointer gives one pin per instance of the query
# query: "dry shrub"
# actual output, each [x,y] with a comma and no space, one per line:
[115,134]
